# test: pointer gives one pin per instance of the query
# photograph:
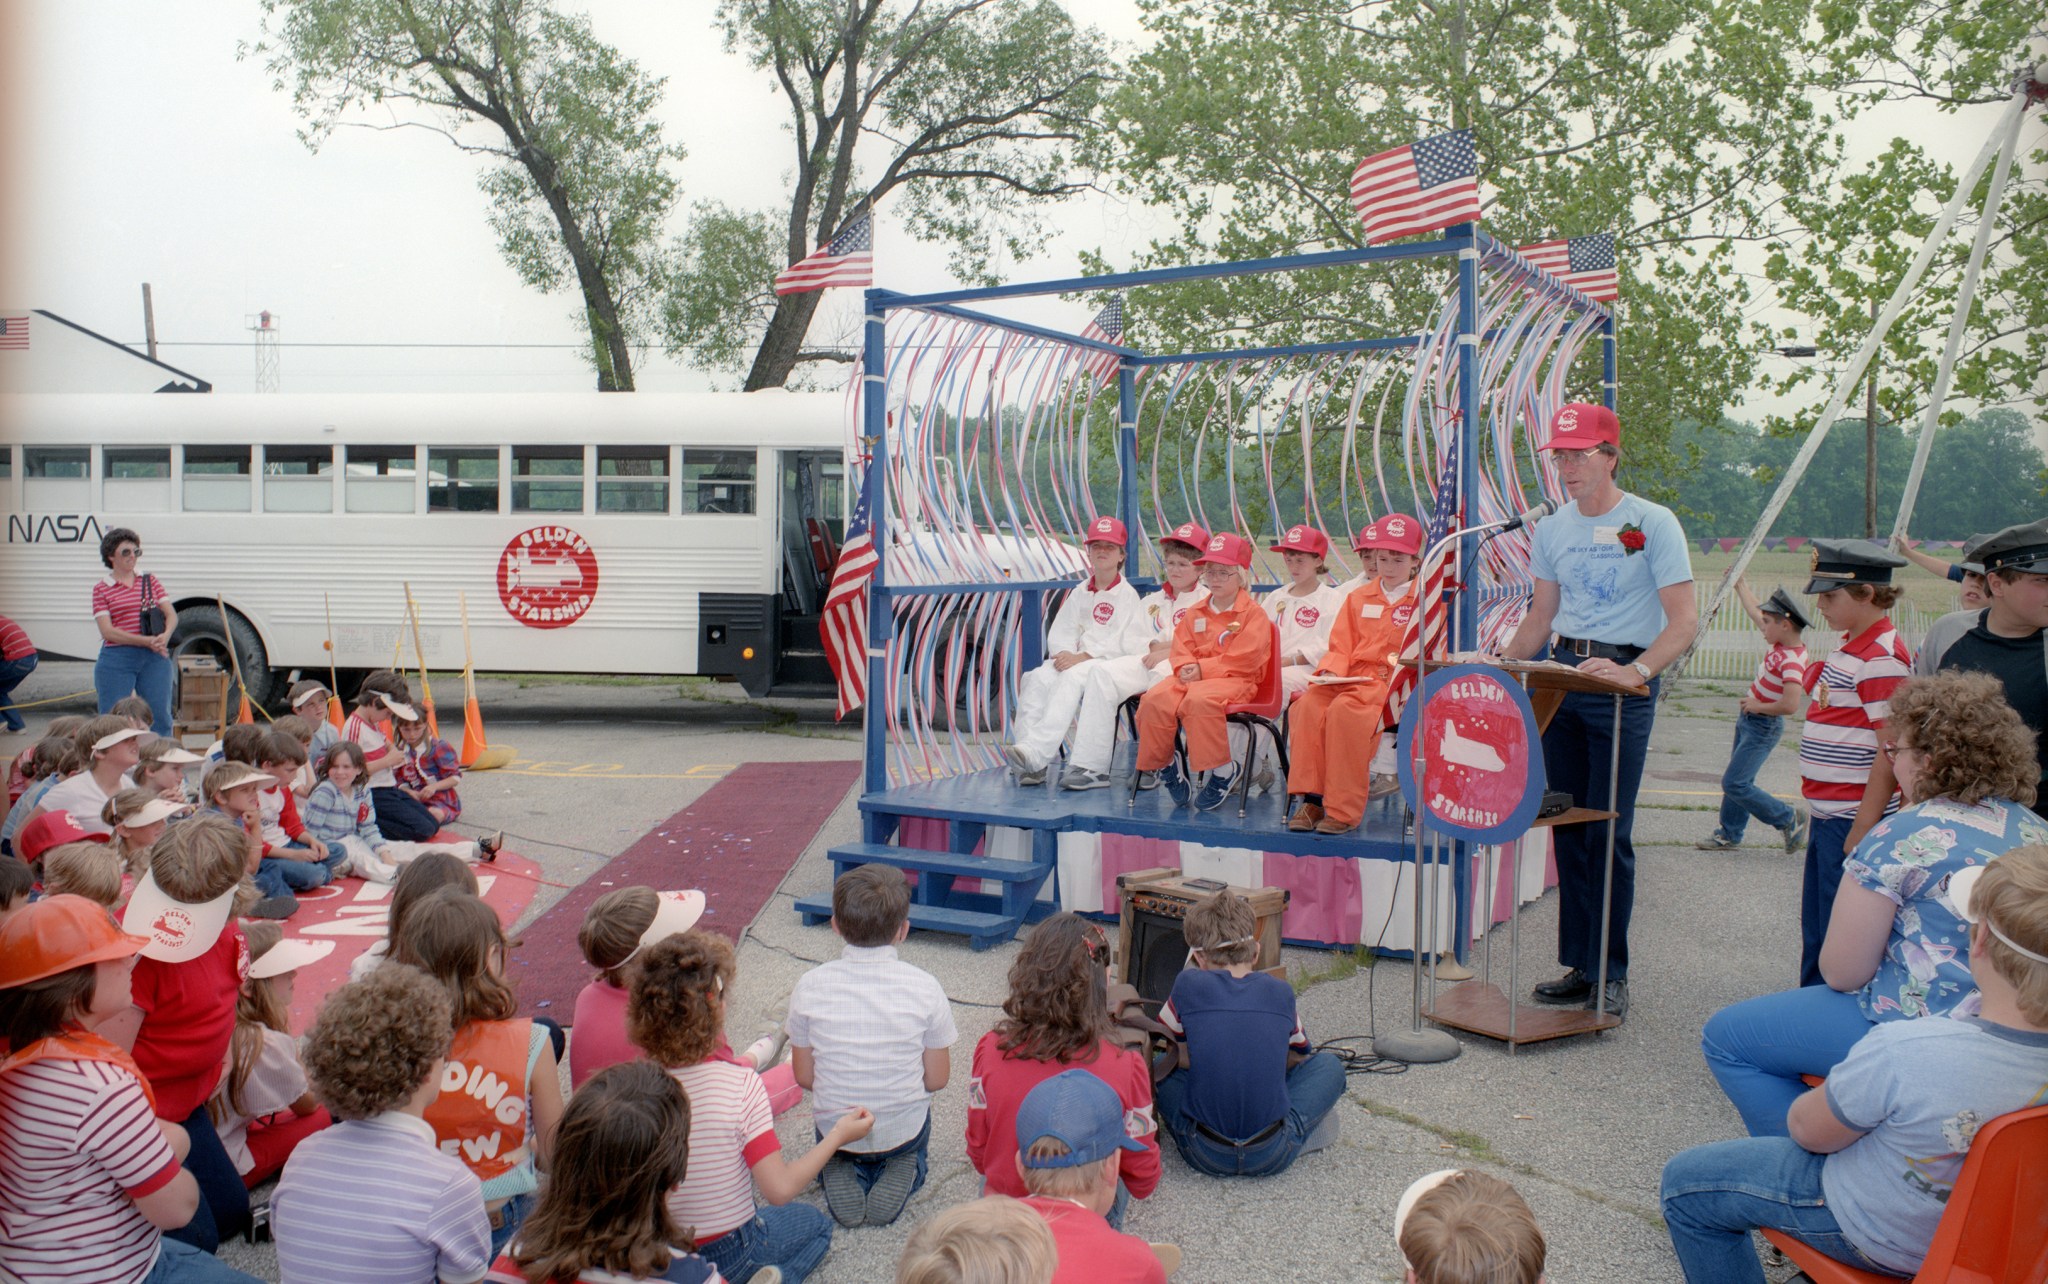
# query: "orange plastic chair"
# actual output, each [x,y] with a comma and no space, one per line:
[1261,712]
[1995,1230]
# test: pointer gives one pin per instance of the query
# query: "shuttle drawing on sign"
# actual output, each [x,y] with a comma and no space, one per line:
[1475,754]
[525,571]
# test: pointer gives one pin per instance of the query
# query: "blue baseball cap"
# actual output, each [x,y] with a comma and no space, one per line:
[1078,1109]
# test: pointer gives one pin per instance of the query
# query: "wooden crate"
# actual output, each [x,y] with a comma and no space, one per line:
[202,692]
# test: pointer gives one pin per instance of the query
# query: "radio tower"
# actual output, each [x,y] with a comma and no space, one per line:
[263,326]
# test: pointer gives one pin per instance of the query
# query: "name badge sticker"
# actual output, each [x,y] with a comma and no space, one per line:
[1607,534]
[1201,625]
[1371,611]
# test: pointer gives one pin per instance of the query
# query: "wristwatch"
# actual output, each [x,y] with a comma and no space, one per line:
[1643,669]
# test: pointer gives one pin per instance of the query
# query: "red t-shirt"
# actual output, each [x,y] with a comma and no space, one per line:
[1001,1082]
[1091,1252]
[188,1016]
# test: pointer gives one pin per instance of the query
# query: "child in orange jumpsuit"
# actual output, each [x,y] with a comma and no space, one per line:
[1220,652]
[1334,729]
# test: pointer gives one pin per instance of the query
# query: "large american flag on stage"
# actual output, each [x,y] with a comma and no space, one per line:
[1107,327]
[844,623]
[1429,627]
[848,260]
[1418,188]
[14,331]
[1586,263]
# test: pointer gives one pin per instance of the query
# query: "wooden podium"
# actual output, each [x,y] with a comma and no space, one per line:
[1479,1005]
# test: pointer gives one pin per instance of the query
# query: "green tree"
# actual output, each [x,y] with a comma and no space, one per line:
[968,111]
[1982,474]
[579,182]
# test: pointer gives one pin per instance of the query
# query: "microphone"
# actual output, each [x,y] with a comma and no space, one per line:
[1536,514]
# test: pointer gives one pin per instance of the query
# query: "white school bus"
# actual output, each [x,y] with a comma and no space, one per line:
[590,533]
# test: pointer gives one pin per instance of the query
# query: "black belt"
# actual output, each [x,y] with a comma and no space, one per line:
[1264,1134]
[1585,649]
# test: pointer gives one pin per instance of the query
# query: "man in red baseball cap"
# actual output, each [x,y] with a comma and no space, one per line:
[1220,651]
[1613,597]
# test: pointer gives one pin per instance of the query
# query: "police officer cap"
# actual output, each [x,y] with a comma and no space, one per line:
[2017,548]
[1972,564]
[1781,603]
[1841,562]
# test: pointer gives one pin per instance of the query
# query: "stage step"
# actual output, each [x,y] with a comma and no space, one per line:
[848,855]
[983,931]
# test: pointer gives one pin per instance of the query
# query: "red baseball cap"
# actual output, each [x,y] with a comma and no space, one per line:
[1581,425]
[51,829]
[1107,530]
[1396,532]
[57,934]
[1227,549]
[1188,533]
[1303,539]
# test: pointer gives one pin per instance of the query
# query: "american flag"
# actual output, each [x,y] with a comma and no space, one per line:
[14,331]
[1430,626]
[1418,188]
[1107,327]
[1586,263]
[848,260]
[844,623]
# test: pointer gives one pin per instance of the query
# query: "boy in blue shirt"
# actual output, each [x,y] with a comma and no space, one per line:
[1875,1151]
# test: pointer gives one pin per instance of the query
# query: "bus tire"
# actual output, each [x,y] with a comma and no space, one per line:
[201,632]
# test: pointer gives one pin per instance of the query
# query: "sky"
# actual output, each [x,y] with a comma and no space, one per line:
[137,147]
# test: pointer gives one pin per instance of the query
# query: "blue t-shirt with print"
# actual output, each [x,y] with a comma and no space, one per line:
[1919,1091]
[1908,858]
[1605,592]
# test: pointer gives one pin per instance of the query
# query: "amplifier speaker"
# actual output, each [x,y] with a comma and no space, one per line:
[1151,946]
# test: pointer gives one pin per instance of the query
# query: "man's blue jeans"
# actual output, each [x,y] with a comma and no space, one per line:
[1313,1087]
[122,671]
[1826,841]
[1759,1047]
[12,672]
[1756,735]
[1578,750]
[1714,1195]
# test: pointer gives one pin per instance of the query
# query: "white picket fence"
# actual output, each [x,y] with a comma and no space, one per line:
[1733,647]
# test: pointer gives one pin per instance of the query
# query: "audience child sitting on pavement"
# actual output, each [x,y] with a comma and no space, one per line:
[263,1106]
[1070,1143]
[1253,1094]
[383,699]
[232,792]
[18,779]
[237,744]
[993,1240]
[1057,1018]
[503,1137]
[50,760]
[285,836]
[90,870]
[603,1215]
[89,1180]
[136,709]
[677,1015]
[1461,1227]
[617,929]
[16,884]
[1759,722]
[162,770]
[429,772]
[373,1199]
[1099,620]
[1220,652]
[1113,681]
[309,701]
[300,733]
[45,834]
[138,818]
[867,1029]
[1895,950]
[343,813]
[416,881]
[108,748]
[1874,1152]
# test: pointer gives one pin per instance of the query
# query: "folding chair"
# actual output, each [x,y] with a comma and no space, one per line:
[1260,713]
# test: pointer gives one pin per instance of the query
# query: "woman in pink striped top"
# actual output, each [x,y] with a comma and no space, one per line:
[131,661]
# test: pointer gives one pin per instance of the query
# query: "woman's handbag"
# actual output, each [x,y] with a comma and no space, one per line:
[150,622]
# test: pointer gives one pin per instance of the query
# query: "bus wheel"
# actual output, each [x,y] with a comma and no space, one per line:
[201,632]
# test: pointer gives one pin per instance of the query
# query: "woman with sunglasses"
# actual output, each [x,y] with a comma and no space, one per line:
[136,620]
[1895,949]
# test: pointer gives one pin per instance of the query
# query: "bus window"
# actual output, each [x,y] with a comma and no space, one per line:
[462,481]
[7,477]
[298,479]
[718,481]
[136,479]
[380,479]
[632,479]
[56,478]
[217,479]
[547,479]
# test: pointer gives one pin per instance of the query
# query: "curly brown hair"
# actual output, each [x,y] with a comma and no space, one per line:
[622,1145]
[1058,1006]
[457,939]
[676,1008]
[1972,745]
[376,1040]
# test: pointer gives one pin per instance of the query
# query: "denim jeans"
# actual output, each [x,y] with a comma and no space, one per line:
[12,672]
[302,875]
[402,817]
[270,880]
[1825,856]
[1756,734]
[510,1218]
[1578,749]
[1313,1087]
[1759,1047]
[1714,1195]
[867,1168]
[122,671]
[794,1237]
[183,1264]
[223,1209]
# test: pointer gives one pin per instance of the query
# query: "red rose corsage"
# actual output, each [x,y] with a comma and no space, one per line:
[1632,538]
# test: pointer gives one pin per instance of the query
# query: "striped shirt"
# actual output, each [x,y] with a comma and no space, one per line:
[78,1147]
[1782,666]
[372,1200]
[14,643]
[332,815]
[1852,694]
[122,603]
[372,742]
[731,1130]
[869,1018]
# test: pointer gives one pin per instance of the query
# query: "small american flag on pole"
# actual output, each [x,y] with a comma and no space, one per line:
[1429,627]
[1586,263]
[844,623]
[1107,327]
[14,331]
[1418,188]
[849,259]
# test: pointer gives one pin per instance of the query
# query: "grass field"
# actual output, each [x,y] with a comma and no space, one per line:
[1769,570]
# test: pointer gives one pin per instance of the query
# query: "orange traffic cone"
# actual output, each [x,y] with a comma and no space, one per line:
[334,711]
[473,742]
[243,713]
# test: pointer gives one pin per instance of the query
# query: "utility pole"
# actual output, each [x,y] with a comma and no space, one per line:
[148,321]
[1870,438]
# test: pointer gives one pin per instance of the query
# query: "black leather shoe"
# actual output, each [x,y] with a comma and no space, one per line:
[1617,1000]
[1573,987]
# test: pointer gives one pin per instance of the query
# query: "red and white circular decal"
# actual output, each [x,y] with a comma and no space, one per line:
[1306,616]
[1104,612]
[1404,613]
[547,577]
[1475,768]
